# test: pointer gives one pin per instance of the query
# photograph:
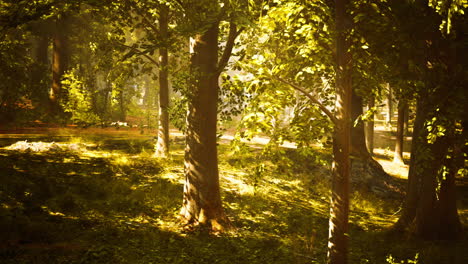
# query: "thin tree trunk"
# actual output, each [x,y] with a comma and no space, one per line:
[339,208]
[406,120]
[358,139]
[414,177]
[369,126]
[148,98]
[162,145]
[202,200]
[122,108]
[59,64]
[363,167]
[389,105]
[398,154]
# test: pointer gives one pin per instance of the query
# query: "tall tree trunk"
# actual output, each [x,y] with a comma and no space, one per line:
[162,145]
[148,98]
[398,154]
[414,179]
[59,65]
[406,120]
[364,168]
[436,215]
[339,208]
[122,108]
[389,105]
[202,200]
[369,126]
[430,206]
[358,139]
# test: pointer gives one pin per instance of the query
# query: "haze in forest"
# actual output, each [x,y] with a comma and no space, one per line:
[233,131]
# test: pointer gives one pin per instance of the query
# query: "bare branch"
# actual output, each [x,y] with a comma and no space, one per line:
[233,33]
[311,98]
[139,52]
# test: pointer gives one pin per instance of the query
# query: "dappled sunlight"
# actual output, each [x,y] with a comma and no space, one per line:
[121,195]
[385,158]
[44,146]
[232,180]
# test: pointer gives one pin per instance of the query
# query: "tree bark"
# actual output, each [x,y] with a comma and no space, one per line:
[339,208]
[430,209]
[398,154]
[202,200]
[369,126]
[162,145]
[406,120]
[389,105]
[122,106]
[414,179]
[436,215]
[59,65]
[364,168]
[358,139]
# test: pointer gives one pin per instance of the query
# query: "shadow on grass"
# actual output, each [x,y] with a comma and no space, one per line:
[79,208]
[108,205]
[67,207]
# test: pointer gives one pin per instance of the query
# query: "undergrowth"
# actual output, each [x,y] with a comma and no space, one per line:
[110,201]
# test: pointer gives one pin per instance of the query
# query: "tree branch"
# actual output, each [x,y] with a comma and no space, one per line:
[233,33]
[139,52]
[311,98]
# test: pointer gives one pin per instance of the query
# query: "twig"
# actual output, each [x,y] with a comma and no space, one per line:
[311,98]
[139,52]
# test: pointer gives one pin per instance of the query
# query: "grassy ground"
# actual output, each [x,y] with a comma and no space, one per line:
[97,196]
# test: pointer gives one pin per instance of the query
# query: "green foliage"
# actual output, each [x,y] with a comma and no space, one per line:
[17,88]
[178,112]
[291,43]
[448,9]
[78,100]
[392,260]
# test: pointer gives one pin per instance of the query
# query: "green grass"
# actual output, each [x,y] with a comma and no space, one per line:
[102,198]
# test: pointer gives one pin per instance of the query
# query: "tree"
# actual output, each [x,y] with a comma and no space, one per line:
[59,64]
[398,154]
[421,59]
[162,145]
[339,208]
[364,168]
[369,126]
[152,37]
[389,105]
[14,71]
[427,65]
[202,200]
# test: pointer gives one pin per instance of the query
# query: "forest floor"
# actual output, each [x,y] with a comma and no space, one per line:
[98,196]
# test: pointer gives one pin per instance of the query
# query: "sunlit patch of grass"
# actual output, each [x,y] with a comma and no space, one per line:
[385,158]
[119,204]
[371,213]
